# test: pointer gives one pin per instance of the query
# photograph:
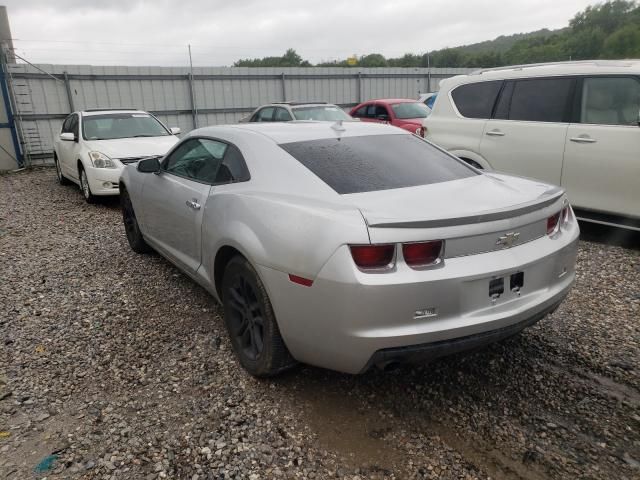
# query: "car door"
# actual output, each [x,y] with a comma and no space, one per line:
[602,152]
[527,133]
[68,151]
[174,199]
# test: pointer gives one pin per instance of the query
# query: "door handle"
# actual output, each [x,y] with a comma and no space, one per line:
[583,139]
[193,204]
[495,133]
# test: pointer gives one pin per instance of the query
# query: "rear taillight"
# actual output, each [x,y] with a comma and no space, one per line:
[420,131]
[422,254]
[565,216]
[369,257]
[553,223]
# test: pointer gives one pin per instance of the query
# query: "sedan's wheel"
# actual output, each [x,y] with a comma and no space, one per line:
[61,178]
[251,322]
[131,227]
[86,189]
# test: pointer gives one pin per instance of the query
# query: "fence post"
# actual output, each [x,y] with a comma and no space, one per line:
[359,87]
[11,121]
[192,94]
[69,96]
[284,87]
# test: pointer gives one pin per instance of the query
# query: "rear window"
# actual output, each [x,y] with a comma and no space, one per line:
[376,162]
[476,100]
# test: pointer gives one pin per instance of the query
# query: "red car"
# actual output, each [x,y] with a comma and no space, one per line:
[401,112]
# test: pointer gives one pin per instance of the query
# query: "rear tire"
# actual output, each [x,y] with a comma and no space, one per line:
[131,227]
[251,322]
[62,180]
[85,188]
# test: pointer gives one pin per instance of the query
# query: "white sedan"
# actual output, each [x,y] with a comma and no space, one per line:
[351,244]
[95,145]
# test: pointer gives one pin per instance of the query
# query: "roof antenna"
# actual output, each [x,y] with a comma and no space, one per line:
[338,127]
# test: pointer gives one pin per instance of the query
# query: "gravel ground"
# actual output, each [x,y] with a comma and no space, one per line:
[119,366]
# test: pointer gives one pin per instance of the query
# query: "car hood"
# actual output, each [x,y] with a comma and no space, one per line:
[468,200]
[133,147]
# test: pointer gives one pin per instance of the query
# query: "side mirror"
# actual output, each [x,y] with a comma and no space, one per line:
[67,137]
[175,130]
[149,165]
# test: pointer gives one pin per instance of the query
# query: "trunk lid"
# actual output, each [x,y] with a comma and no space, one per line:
[475,199]
[471,214]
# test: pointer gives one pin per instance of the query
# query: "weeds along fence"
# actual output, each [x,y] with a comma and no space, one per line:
[44,95]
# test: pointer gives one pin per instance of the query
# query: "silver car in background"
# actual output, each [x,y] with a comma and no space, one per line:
[349,245]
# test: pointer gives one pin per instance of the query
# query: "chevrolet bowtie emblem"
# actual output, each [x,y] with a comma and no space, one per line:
[508,239]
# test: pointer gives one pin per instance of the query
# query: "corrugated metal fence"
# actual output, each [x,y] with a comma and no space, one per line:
[212,95]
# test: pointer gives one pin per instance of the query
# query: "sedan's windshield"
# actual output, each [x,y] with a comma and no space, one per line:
[110,126]
[329,113]
[410,110]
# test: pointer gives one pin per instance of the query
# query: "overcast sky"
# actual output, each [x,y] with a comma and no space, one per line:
[139,32]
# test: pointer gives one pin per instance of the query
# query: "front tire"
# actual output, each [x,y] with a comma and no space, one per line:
[131,227]
[62,180]
[251,322]
[85,188]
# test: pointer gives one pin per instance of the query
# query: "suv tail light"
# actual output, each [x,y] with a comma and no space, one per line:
[369,257]
[422,254]
[553,223]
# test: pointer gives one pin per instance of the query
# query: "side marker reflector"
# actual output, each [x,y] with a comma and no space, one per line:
[300,280]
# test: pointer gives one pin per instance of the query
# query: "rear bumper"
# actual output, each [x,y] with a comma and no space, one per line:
[347,316]
[431,351]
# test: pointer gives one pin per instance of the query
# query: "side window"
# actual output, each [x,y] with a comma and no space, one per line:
[610,101]
[73,125]
[66,125]
[282,115]
[198,159]
[361,112]
[382,110]
[476,100]
[264,115]
[371,111]
[541,100]
[233,168]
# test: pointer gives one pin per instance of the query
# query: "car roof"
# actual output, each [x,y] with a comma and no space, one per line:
[91,112]
[299,131]
[582,67]
[298,104]
[388,101]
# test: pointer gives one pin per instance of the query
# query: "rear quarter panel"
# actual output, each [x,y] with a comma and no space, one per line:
[289,234]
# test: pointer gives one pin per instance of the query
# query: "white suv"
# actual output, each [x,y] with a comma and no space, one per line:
[94,146]
[574,124]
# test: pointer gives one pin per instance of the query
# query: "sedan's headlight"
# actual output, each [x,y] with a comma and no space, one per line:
[100,160]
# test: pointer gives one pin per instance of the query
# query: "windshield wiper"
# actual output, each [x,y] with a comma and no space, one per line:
[143,135]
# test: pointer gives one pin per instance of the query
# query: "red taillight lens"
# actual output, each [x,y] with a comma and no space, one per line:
[373,256]
[421,254]
[552,223]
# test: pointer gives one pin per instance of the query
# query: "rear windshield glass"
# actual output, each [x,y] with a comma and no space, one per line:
[376,162]
[328,113]
[410,110]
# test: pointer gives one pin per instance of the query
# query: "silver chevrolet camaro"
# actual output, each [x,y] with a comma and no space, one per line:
[349,245]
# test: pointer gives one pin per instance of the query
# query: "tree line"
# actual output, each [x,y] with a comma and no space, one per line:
[609,30]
